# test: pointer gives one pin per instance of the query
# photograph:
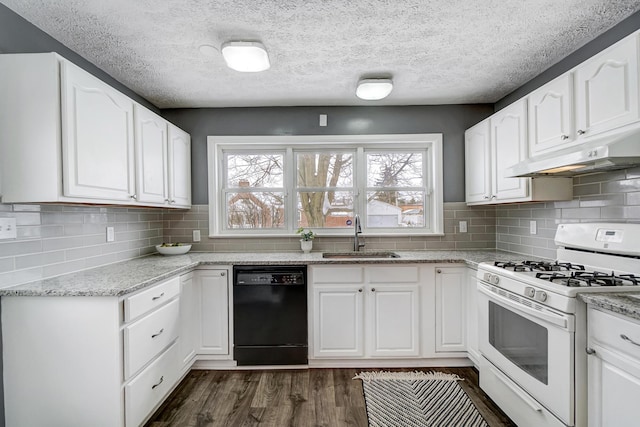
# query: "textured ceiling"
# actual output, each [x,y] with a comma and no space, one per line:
[438,51]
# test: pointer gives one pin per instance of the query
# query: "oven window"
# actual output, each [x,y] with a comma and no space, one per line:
[523,342]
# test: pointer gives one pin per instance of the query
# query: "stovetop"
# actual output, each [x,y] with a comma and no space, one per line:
[570,274]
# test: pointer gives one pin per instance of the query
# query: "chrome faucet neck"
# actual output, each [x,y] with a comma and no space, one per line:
[357,229]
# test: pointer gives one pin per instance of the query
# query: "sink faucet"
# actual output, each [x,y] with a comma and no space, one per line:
[357,230]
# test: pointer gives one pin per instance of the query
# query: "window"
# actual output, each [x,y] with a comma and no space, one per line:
[261,186]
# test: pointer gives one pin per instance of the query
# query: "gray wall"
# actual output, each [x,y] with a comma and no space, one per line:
[601,42]
[17,35]
[450,120]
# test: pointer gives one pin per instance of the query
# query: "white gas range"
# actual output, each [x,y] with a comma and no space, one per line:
[532,326]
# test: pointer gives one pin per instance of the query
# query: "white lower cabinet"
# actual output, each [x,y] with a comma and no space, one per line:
[614,369]
[365,311]
[450,287]
[212,294]
[89,361]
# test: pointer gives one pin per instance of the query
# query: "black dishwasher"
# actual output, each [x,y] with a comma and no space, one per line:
[270,315]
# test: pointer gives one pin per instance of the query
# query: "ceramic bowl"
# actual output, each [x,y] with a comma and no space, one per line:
[173,250]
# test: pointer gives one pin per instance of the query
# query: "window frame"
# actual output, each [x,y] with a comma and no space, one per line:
[431,143]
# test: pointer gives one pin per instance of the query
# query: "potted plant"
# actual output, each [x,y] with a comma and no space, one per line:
[306,241]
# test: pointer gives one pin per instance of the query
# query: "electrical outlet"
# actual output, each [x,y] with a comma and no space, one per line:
[462,226]
[111,234]
[533,227]
[323,120]
[196,235]
[8,228]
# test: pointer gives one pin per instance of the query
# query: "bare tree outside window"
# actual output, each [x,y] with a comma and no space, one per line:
[395,189]
[247,178]
[328,179]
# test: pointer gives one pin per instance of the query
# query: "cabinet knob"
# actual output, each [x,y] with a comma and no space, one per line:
[373,289]
[133,197]
[581,132]
[486,197]
[360,290]
[564,137]
[223,274]
[172,201]
[493,196]
[438,271]
[590,350]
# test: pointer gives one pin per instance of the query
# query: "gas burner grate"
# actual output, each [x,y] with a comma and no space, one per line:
[590,278]
[538,266]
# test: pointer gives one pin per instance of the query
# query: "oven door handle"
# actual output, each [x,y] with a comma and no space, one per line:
[532,403]
[550,318]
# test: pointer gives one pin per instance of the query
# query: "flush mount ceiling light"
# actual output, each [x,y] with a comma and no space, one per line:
[374,89]
[246,57]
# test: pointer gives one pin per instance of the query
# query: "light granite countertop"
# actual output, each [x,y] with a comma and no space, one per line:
[129,276]
[627,304]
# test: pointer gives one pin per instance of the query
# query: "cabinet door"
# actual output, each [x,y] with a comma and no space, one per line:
[151,156]
[188,320]
[450,309]
[97,138]
[179,167]
[614,387]
[607,89]
[508,147]
[393,321]
[337,321]
[477,143]
[213,287]
[551,116]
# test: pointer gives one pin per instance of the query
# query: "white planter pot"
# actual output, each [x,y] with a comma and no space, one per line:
[306,245]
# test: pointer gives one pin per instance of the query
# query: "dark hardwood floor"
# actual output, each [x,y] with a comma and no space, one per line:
[295,398]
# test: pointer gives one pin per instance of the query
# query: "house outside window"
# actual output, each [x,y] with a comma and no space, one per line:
[271,186]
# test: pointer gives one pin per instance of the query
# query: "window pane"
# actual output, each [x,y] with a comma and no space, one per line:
[395,209]
[399,169]
[254,170]
[255,210]
[325,169]
[331,209]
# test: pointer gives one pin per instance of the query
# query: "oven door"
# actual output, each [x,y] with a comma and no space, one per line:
[532,345]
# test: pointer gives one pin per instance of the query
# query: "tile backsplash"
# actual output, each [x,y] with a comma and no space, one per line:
[178,227]
[599,197]
[58,239]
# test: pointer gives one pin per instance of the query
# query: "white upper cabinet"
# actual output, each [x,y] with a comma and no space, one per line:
[607,89]
[551,116]
[67,137]
[179,174]
[509,146]
[151,155]
[97,138]
[478,162]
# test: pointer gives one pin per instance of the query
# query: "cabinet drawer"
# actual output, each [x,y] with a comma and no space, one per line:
[608,330]
[338,275]
[148,388]
[393,274]
[148,336]
[149,299]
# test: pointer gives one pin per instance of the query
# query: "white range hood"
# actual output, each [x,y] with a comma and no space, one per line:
[612,152]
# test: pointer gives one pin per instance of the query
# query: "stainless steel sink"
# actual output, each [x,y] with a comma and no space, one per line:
[357,255]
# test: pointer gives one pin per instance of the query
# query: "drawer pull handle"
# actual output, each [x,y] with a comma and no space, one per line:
[589,350]
[157,384]
[155,335]
[626,338]
[158,297]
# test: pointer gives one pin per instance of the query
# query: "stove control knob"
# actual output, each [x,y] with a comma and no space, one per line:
[529,292]
[541,296]
[494,279]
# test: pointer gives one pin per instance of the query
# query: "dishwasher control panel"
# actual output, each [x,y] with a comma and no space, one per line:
[266,277]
